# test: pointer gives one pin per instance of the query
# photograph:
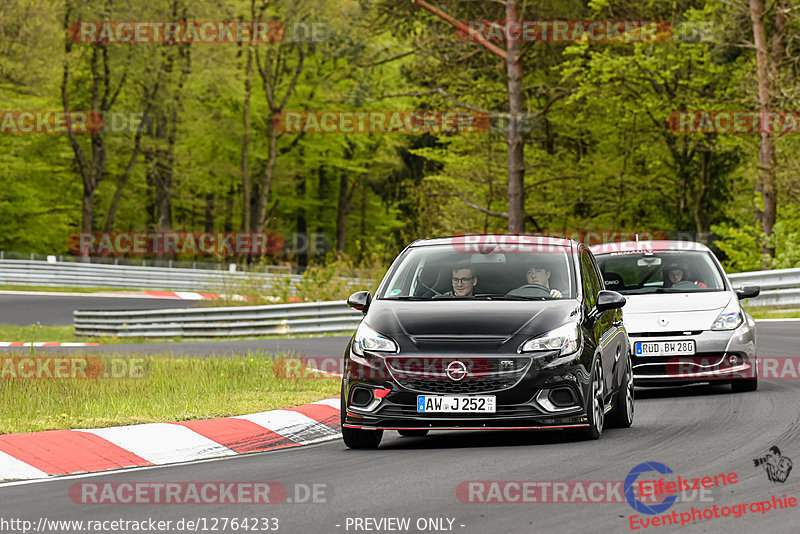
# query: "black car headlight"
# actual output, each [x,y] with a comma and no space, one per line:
[368,339]
[565,339]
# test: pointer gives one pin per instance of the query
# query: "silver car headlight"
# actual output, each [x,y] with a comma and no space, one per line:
[565,339]
[728,320]
[368,339]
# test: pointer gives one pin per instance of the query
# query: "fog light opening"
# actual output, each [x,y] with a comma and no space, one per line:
[557,399]
[361,396]
[562,397]
[733,360]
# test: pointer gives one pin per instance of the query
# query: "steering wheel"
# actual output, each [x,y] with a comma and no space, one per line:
[536,286]
[527,289]
[685,284]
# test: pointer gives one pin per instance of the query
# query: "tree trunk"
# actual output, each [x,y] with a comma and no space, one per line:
[341,214]
[516,156]
[765,185]
[302,223]
[209,218]
[248,84]
[266,178]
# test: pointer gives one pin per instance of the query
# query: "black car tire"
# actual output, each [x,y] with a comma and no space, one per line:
[356,438]
[413,433]
[743,385]
[621,415]
[595,407]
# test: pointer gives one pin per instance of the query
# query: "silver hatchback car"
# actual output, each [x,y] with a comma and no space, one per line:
[683,316]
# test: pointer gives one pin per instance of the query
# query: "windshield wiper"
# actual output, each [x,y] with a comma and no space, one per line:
[523,297]
[406,297]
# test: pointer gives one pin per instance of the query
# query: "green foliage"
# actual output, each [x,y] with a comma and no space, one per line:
[740,245]
[598,155]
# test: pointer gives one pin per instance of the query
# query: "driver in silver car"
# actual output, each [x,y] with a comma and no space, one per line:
[537,274]
[676,273]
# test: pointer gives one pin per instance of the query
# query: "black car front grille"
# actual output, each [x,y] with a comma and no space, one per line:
[484,375]
[480,385]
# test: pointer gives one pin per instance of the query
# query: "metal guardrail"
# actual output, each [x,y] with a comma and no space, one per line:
[304,318]
[779,287]
[69,274]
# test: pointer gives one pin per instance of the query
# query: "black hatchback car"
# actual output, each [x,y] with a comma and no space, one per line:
[487,332]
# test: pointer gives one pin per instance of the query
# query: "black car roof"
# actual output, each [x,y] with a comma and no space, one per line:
[497,238]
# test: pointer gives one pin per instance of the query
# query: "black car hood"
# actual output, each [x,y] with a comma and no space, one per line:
[459,318]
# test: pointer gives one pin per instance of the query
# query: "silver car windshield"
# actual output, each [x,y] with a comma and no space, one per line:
[442,272]
[678,271]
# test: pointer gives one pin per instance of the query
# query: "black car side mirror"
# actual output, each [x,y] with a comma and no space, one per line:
[609,300]
[360,301]
[748,291]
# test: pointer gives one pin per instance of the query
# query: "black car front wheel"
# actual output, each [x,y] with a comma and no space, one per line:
[621,415]
[356,438]
[595,405]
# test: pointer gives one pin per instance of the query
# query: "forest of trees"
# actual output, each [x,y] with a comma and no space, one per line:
[579,139]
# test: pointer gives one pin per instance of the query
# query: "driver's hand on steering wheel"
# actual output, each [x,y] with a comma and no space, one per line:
[555,293]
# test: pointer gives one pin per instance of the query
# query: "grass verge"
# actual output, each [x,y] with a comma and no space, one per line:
[773,313]
[64,334]
[57,334]
[167,389]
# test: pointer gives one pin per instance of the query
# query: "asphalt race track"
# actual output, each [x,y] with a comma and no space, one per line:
[52,310]
[697,431]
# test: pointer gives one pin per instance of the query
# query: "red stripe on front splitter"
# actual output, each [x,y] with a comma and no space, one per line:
[322,413]
[61,452]
[582,425]
[239,435]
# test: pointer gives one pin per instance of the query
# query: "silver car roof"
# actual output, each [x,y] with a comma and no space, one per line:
[633,247]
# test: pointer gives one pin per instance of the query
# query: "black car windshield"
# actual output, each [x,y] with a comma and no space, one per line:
[669,271]
[442,272]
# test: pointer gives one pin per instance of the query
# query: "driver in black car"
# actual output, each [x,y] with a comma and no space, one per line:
[539,275]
